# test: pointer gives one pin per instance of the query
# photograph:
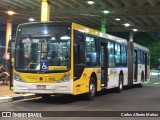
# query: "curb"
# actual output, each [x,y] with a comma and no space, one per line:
[5,99]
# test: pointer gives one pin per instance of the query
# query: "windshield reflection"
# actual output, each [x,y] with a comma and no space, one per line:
[43,53]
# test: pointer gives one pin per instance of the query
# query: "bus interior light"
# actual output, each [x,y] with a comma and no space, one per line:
[35,40]
[45,32]
[65,38]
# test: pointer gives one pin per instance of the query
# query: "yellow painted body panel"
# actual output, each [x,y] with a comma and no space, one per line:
[85,29]
[41,78]
[82,85]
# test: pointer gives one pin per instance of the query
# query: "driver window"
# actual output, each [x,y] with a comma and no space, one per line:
[79,54]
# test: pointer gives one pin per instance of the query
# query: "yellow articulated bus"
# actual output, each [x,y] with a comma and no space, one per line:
[68,58]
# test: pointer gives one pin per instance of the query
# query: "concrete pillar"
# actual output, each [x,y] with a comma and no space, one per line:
[8,34]
[103,25]
[130,52]
[45,10]
[130,62]
[131,37]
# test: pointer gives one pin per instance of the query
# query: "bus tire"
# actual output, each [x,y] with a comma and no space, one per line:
[140,85]
[92,89]
[120,85]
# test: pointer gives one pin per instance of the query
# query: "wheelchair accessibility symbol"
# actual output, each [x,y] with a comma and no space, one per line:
[44,66]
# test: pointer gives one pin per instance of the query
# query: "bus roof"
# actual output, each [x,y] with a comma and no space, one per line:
[98,33]
[114,38]
[140,47]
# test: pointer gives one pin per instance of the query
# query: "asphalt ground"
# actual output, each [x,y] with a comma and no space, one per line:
[134,99]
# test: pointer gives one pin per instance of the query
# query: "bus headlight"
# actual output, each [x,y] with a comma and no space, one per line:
[18,78]
[65,78]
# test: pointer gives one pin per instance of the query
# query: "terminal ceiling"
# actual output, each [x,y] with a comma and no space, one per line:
[141,14]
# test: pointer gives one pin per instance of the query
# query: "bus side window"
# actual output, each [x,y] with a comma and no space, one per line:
[139,56]
[124,55]
[91,53]
[111,54]
[117,54]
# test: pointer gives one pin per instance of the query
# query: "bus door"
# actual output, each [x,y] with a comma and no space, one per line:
[145,62]
[135,65]
[104,64]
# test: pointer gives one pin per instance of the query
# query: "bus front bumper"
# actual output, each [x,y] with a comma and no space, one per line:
[43,88]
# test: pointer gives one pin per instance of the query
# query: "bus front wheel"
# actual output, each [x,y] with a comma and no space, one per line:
[92,89]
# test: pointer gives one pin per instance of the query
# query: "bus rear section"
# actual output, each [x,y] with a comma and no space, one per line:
[138,64]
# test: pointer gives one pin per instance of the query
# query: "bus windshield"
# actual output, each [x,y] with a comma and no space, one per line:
[42,47]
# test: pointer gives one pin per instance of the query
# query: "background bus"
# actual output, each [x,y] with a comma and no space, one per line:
[68,58]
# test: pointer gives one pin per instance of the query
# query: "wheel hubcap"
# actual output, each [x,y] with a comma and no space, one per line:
[92,89]
[141,82]
[120,86]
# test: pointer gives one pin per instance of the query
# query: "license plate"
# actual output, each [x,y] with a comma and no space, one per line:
[41,87]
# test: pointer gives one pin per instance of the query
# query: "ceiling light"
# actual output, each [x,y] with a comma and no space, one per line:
[105,11]
[90,2]
[135,30]
[11,12]
[117,19]
[126,24]
[31,19]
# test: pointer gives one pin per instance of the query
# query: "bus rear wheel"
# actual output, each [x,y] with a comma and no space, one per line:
[142,81]
[92,89]
[120,85]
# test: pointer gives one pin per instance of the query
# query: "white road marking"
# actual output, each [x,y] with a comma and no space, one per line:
[147,82]
[156,83]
